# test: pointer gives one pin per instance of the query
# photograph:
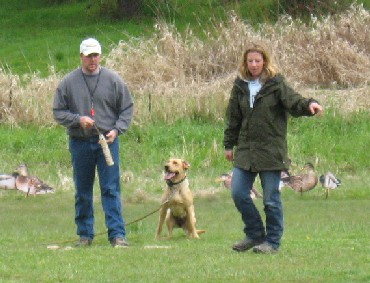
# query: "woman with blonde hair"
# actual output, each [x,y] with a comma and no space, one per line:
[255,140]
[269,69]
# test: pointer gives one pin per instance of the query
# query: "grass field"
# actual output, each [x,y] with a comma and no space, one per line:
[324,241]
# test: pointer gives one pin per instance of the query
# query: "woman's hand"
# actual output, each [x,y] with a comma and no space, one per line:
[315,108]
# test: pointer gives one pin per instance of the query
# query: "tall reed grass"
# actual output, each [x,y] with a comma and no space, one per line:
[177,75]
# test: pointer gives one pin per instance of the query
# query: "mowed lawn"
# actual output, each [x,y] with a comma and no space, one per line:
[325,240]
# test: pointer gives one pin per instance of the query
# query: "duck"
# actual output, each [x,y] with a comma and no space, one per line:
[283,179]
[305,181]
[30,184]
[18,180]
[22,181]
[329,182]
[7,182]
[226,178]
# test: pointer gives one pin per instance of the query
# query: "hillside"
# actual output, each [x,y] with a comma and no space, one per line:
[37,36]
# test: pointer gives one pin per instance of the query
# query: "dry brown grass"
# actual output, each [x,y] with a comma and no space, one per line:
[28,102]
[175,75]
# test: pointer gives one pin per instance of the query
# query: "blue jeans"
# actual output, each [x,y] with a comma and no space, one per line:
[86,157]
[242,182]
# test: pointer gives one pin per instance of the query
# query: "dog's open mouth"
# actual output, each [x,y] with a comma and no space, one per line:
[169,175]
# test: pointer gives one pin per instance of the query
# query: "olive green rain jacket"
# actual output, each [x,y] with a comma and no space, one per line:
[259,133]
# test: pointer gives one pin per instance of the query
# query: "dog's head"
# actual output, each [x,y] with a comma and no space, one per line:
[175,170]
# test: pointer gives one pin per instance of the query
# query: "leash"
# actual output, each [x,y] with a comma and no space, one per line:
[147,215]
[127,224]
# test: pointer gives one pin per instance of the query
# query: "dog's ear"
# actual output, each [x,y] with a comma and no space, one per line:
[185,164]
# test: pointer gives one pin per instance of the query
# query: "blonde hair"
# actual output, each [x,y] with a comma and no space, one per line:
[269,68]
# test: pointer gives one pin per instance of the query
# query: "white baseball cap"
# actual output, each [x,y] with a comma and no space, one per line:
[89,46]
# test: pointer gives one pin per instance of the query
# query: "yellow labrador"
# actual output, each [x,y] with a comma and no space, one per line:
[177,201]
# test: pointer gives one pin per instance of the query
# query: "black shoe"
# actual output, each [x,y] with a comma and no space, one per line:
[119,243]
[246,244]
[265,248]
[83,242]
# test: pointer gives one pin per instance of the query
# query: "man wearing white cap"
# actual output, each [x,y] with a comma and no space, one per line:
[91,99]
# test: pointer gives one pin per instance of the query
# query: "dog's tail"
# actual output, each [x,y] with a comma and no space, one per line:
[201,231]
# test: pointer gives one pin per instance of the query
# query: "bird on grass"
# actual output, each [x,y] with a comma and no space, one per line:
[304,181]
[22,181]
[30,184]
[283,179]
[329,182]
[226,178]
[7,182]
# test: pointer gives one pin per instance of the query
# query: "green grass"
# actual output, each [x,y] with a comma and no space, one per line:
[324,241]
[338,142]
[333,143]
[41,36]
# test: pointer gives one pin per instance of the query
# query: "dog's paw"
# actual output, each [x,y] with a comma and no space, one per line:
[195,236]
[158,238]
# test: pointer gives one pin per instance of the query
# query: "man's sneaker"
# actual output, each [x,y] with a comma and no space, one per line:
[265,248]
[83,242]
[245,244]
[119,243]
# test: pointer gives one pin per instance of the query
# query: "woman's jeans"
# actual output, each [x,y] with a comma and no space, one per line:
[242,182]
[87,155]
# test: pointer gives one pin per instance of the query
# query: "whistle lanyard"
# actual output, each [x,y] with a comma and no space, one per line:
[91,92]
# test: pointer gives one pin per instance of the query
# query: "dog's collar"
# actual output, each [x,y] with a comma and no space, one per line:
[171,184]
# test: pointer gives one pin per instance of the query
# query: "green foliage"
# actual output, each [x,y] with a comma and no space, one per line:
[127,9]
[35,38]
[306,8]
[103,9]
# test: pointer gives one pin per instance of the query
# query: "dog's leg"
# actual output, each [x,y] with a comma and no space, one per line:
[192,231]
[170,222]
[162,216]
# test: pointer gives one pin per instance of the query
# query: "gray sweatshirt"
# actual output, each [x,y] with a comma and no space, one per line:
[76,95]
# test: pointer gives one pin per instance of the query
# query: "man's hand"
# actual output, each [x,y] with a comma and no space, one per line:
[86,122]
[111,136]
